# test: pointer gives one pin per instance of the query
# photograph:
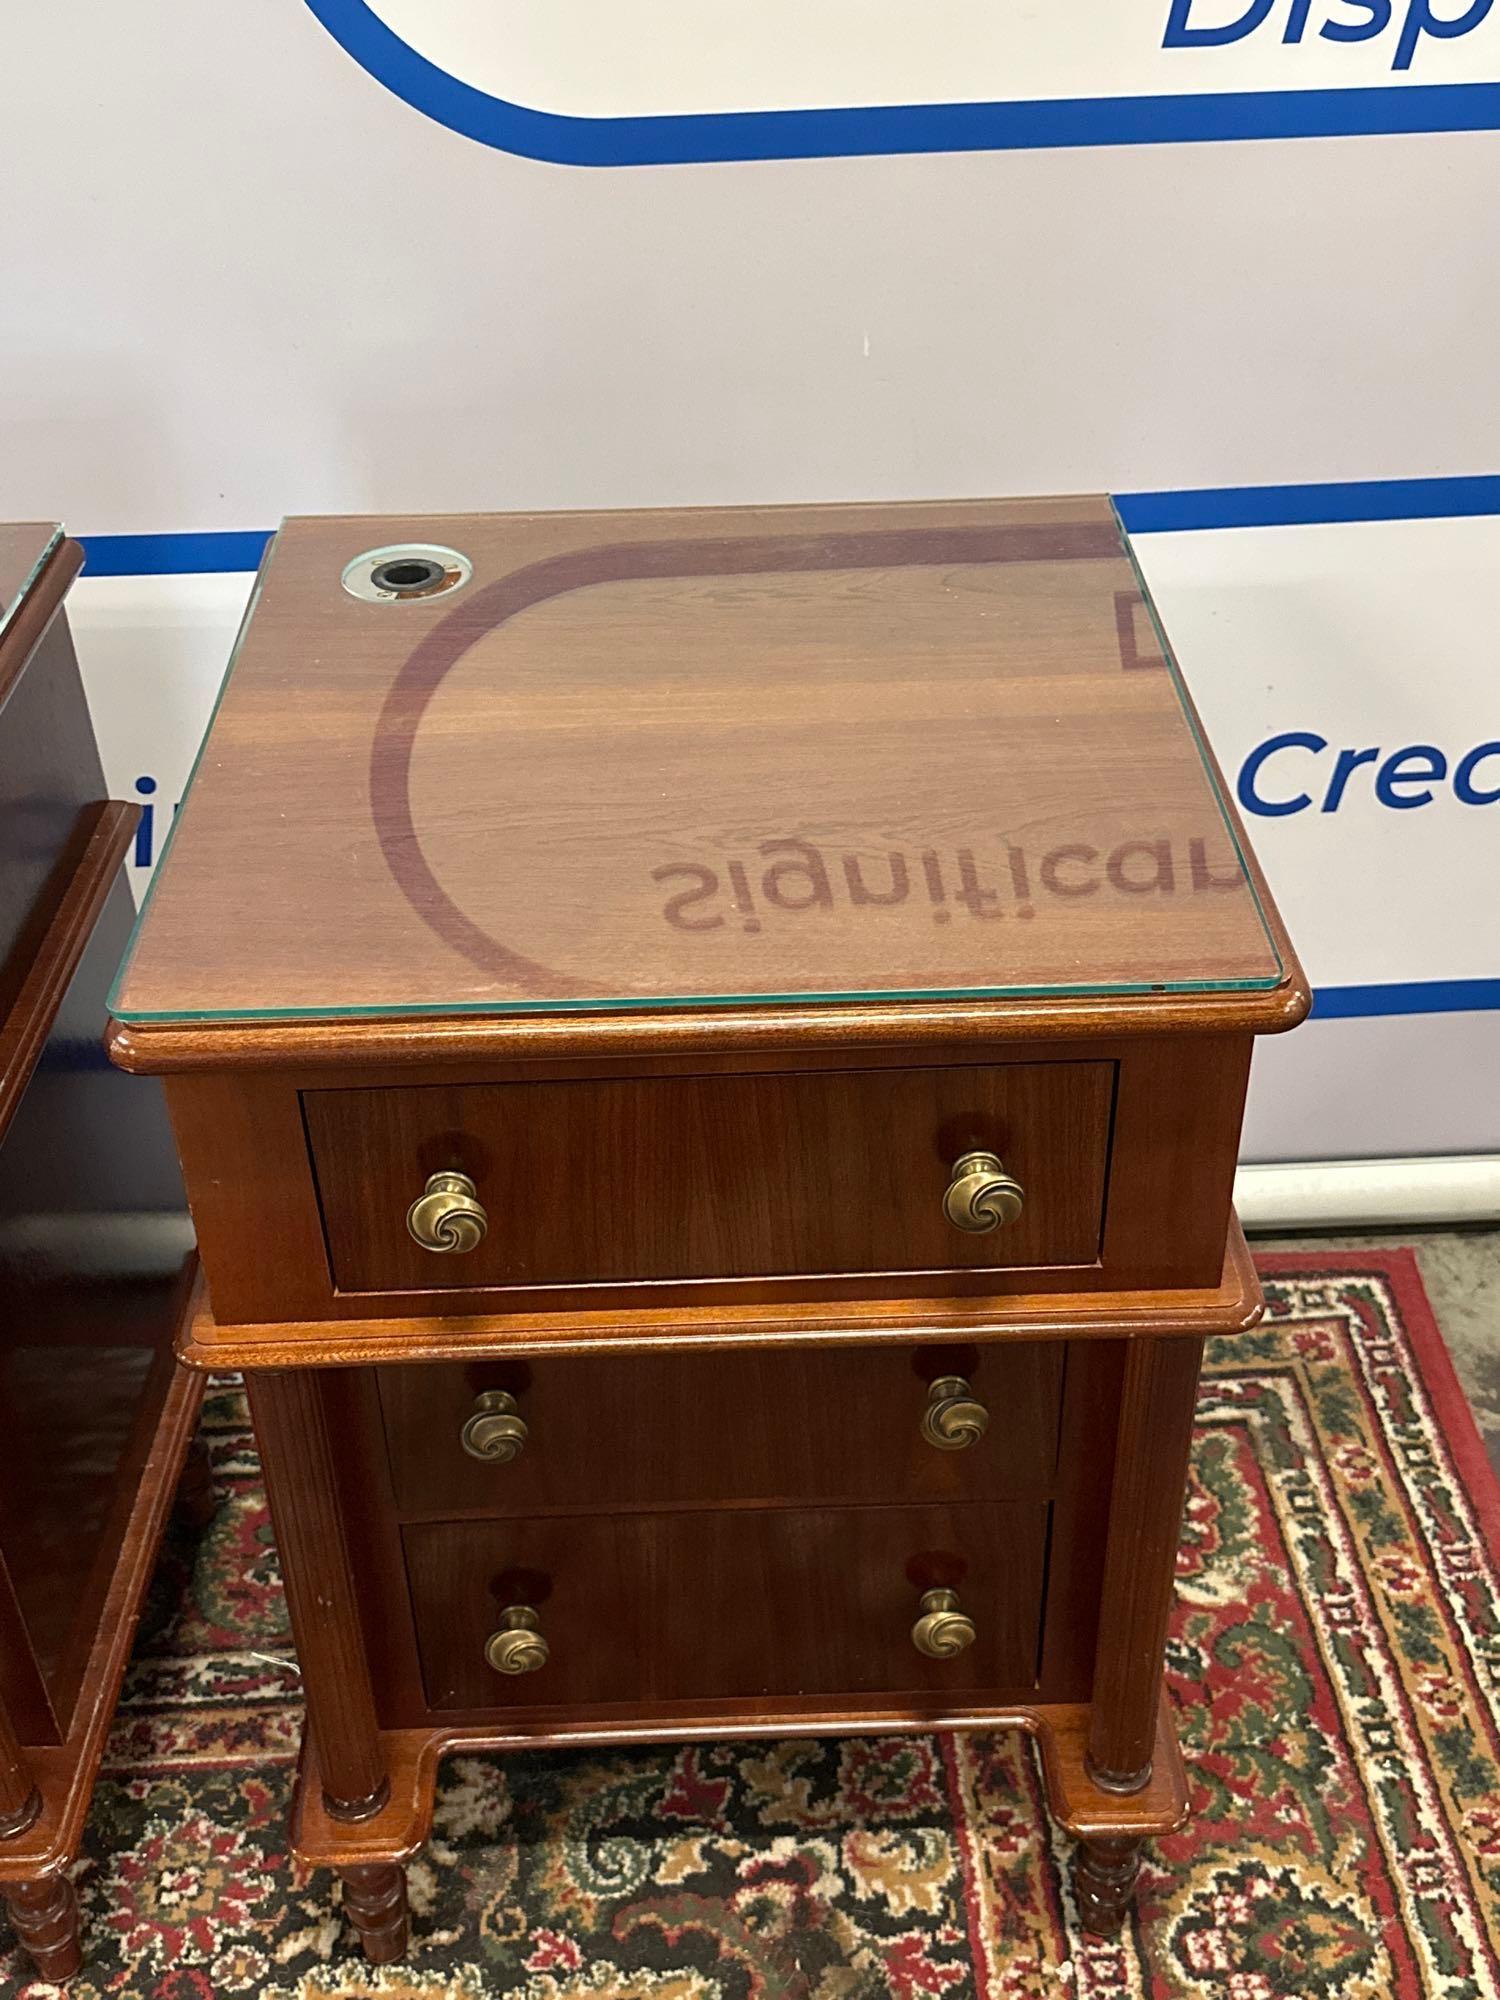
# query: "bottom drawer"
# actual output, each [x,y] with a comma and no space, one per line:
[667,1607]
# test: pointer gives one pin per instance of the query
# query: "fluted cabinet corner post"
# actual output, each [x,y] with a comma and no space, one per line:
[301,1485]
[1145,1517]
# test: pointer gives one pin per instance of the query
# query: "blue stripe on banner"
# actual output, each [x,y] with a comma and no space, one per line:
[1142,513]
[897,128]
[174,555]
[1422,996]
[1310,506]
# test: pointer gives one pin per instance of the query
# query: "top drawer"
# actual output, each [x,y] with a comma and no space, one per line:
[672,1179]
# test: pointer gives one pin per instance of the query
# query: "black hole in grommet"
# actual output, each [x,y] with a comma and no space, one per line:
[407,573]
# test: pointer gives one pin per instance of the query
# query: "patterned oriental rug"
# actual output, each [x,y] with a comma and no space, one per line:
[1335,1658]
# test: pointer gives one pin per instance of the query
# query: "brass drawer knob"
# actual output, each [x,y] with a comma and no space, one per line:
[518,1646]
[981,1195]
[954,1418]
[942,1630]
[494,1431]
[447,1216]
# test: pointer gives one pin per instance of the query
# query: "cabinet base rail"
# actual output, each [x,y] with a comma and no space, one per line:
[371,1854]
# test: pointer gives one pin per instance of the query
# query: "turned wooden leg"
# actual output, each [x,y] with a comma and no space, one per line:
[45,1914]
[1145,1521]
[1104,1877]
[297,1460]
[197,1502]
[375,1900]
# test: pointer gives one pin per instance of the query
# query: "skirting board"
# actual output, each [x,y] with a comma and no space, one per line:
[1370,1194]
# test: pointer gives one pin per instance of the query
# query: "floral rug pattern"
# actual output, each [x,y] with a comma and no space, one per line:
[1334,1660]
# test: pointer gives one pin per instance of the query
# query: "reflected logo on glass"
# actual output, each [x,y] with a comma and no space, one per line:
[798,877]
[636,82]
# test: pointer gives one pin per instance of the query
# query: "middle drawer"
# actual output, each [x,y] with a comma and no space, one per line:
[585,1432]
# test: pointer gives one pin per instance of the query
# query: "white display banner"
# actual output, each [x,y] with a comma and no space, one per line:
[615,82]
[255,270]
[632,58]
[1348,676]
[1349,679]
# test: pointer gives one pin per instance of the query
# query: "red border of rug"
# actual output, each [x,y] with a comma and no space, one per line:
[1402,1272]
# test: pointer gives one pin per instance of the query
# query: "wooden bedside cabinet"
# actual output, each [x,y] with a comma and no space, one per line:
[96,1263]
[708,1051]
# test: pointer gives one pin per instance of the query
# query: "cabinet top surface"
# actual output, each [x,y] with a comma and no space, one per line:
[24,547]
[547,762]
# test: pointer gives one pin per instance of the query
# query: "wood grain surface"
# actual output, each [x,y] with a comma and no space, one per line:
[659,757]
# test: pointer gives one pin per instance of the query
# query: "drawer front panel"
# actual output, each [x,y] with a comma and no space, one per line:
[668,1607]
[821,1425]
[674,1179]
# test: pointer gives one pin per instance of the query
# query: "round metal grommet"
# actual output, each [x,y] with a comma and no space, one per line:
[410,570]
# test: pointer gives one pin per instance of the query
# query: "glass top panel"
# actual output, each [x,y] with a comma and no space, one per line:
[24,547]
[538,762]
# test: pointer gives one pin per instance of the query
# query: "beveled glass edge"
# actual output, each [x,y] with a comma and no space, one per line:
[8,611]
[681,1003]
[1189,711]
[636,1004]
[112,1002]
